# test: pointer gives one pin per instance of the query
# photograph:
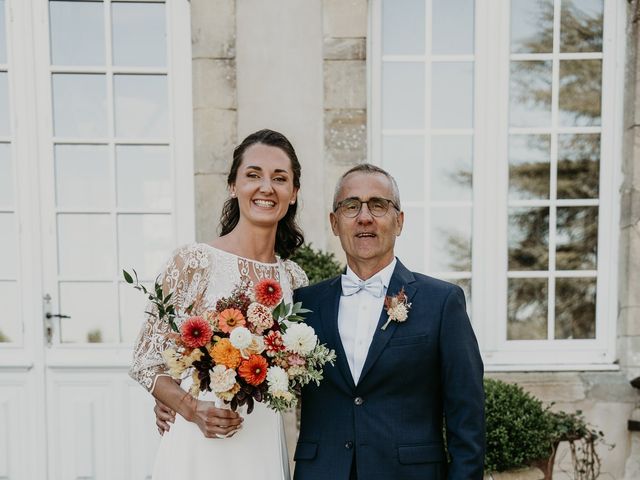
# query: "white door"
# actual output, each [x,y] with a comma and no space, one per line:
[95,176]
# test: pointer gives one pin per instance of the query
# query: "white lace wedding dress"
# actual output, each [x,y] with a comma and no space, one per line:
[200,274]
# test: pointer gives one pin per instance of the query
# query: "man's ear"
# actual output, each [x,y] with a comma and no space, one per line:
[399,223]
[334,223]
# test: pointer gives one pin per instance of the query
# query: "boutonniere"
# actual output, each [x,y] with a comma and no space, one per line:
[397,308]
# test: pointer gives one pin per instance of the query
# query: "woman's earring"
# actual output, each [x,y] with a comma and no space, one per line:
[292,202]
[233,194]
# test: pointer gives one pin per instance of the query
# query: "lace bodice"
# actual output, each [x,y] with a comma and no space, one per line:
[199,274]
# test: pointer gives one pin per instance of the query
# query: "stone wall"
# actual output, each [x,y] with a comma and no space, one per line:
[345,93]
[331,136]
[213,38]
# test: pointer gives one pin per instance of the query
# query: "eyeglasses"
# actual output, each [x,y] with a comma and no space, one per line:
[351,207]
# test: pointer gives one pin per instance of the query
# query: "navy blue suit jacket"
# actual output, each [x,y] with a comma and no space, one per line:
[391,423]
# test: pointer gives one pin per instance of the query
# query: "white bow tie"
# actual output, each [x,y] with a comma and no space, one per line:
[351,285]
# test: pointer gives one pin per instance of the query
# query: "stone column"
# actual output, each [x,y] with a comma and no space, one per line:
[629,318]
[213,37]
[345,93]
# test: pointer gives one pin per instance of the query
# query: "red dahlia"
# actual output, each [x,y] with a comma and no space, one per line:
[195,332]
[254,369]
[273,342]
[268,292]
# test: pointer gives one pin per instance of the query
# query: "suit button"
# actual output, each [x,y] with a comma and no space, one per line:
[358,401]
[348,445]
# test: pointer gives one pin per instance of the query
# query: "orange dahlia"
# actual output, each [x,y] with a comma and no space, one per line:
[195,332]
[268,292]
[254,369]
[229,319]
[223,353]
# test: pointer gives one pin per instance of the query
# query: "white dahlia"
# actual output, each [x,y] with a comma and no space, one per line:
[241,337]
[300,338]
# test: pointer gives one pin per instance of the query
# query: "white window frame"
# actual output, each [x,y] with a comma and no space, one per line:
[490,184]
[32,147]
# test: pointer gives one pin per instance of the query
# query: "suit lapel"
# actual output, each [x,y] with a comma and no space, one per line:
[401,278]
[329,315]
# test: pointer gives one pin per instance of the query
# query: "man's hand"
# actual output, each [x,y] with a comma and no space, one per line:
[164,416]
[216,422]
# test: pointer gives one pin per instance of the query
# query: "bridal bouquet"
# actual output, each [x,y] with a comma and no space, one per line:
[252,347]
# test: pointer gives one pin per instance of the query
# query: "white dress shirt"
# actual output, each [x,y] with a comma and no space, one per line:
[358,317]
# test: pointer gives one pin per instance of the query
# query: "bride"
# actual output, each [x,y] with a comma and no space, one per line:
[258,234]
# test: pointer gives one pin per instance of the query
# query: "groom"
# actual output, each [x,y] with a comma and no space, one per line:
[378,414]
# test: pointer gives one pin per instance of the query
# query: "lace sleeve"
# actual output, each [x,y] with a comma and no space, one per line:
[186,274]
[296,274]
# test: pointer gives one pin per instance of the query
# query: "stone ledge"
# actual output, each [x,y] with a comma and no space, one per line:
[521,474]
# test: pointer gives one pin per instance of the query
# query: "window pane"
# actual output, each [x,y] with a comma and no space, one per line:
[529,166]
[577,238]
[85,246]
[530,94]
[580,92]
[5,114]
[8,246]
[531,26]
[528,238]
[581,25]
[451,167]
[79,105]
[139,34]
[93,311]
[410,243]
[575,308]
[141,106]
[578,165]
[527,305]
[10,328]
[453,28]
[403,27]
[132,307]
[144,243]
[403,157]
[403,95]
[452,95]
[450,239]
[77,33]
[6,177]
[82,176]
[3,34]
[144,177]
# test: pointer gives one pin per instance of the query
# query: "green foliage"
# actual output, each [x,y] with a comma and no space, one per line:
[519,429]
[3,337]
[522,432]
[317,264]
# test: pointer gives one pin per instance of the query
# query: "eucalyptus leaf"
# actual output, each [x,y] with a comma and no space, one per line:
[127,278]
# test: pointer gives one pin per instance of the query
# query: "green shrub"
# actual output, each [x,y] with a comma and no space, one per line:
[519,428]
[317,264]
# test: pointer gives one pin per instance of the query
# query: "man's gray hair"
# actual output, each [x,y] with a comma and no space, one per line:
[370,169]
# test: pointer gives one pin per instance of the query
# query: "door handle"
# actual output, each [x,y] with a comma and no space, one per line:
[48,323]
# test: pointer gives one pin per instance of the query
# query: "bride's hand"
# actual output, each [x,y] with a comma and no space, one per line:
[216,422]
[164,416]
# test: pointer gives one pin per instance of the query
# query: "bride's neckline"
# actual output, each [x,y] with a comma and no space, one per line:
[269,264]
